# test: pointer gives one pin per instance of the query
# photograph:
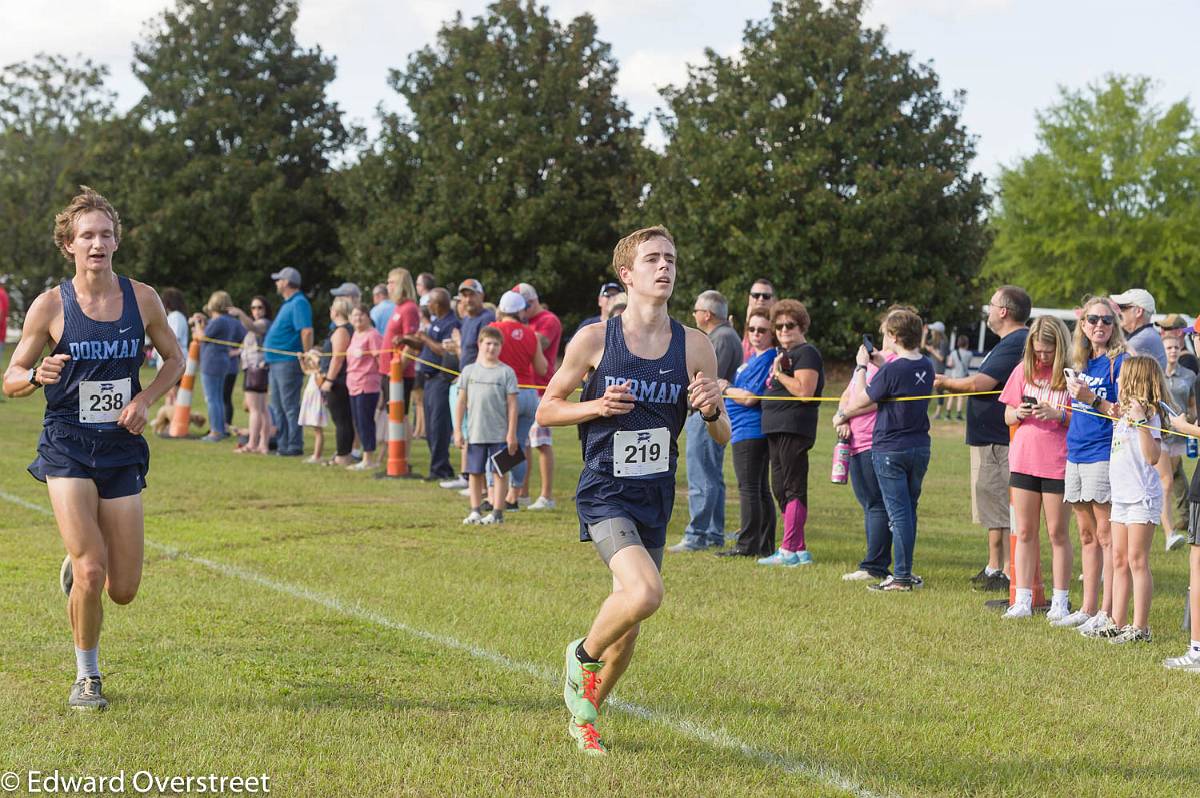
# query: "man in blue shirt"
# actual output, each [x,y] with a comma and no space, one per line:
[1137,314]
[987,434]
[381,311]
[292,331]
[607,292]
[437,383]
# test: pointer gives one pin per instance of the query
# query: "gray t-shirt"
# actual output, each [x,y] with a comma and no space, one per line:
[487,401]
[1180,385]
[1147,341]
[729,351]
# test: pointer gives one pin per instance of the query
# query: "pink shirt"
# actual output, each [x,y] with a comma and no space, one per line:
[862,428]
[362,370]
[1039,448]
[405,320]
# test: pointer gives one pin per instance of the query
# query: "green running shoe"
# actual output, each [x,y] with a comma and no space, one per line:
[587,739]
[579,686]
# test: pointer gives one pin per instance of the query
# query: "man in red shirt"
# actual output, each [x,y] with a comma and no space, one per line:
[549,332]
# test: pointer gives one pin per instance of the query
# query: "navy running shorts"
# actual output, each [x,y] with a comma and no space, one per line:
[113,459]
[646,502]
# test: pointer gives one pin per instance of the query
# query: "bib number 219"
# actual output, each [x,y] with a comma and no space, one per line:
[640,452]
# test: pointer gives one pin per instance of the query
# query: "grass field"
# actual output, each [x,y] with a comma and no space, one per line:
[347,636]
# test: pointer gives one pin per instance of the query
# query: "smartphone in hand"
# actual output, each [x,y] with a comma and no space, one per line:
[1029,400]
[869,344]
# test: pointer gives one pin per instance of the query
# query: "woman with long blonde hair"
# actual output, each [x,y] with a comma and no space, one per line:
[1137,493]
[1098,353]
[1036,397]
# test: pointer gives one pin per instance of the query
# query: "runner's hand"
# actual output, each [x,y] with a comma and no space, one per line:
[134,415]
[50,370]
[616,401]
[704,395]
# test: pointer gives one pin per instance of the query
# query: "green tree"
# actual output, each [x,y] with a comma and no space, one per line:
[1110,201]
[51,112]
[510,163]
[827,162]
[230,182]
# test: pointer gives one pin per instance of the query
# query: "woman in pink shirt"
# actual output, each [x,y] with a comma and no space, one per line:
[1036,398]
[363,381]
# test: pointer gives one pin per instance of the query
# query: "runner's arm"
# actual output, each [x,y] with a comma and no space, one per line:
[703,392]
[583,352]
[154,316]
[35,336]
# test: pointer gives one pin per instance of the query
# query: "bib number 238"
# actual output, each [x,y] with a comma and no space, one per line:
[101,401]
[637,453]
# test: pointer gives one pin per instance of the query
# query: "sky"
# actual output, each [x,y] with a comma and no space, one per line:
[1009,56]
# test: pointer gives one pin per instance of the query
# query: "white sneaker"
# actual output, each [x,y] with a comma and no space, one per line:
[453,484]
[857,576]
[1057,613]
[1102,627]
[473,518]
[1188,662]
[1072,621]
[1090,623]
[490,519]
[1131,634]
[542,503]
[523,501]
[1175,541]
[1017,611]
[465,493]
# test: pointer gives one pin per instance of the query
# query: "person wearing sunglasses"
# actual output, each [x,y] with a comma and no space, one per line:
[762,298]
[1136,319]
[987,434]
[756,533]
[1097,355]
[791,426]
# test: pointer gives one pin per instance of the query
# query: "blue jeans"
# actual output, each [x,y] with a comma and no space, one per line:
[878,561]
[214,397]
[900,475]
[285,383]
[706,485]
[527,405]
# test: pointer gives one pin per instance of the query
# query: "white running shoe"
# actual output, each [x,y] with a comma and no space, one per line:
[542,503]
[1188,662]
[473,518]
[457,483]
[1057,613]
[1175,541]
[1101,627]
[1071,621]
[1090,624]
[858,576]
[1017,611]
[490,519]
[465,493]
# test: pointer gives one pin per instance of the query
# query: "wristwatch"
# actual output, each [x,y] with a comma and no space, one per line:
[33,380]
[1096,402]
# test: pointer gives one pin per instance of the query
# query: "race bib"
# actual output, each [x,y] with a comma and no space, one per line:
[101,401]
[637,453]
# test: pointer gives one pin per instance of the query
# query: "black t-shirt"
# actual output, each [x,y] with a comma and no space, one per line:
[796,418]
[985,414]
[901,426]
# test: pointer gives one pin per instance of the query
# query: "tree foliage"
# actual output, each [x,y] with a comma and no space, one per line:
[52,110]
[1111,199]
[509,165]
[825,161]
[227,177]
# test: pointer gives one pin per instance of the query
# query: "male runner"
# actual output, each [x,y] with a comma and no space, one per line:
[91,454]
[648,369]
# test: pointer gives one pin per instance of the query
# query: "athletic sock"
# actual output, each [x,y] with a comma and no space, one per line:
[474,509]
[1196,646]
[990,571]
[87,663]
[582,655]
[1061,598]
[1025,597]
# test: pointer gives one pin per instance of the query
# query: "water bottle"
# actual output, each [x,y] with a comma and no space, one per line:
[840,472]
[1192,448]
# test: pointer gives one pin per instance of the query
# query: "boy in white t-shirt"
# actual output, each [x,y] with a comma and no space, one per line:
[487,394]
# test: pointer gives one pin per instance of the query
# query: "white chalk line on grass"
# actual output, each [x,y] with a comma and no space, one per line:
[717,738]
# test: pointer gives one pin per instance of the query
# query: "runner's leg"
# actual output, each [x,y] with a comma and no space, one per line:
[122,525]
[76,509]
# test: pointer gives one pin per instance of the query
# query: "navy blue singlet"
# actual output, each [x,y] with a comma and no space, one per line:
[660,393]
[80,435]
[102,352]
